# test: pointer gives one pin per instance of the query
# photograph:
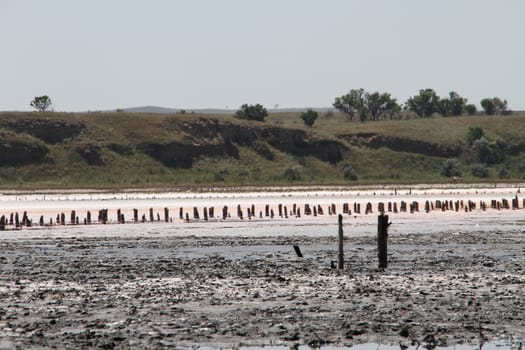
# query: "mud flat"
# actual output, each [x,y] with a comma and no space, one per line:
[452,278]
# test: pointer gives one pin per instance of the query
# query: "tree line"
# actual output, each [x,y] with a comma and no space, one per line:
[375,106]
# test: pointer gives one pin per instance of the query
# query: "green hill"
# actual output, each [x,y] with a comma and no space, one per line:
[124,150]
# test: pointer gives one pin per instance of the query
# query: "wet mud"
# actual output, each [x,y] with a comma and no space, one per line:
[149,292]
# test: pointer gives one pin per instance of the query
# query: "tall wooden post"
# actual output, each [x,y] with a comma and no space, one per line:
[340,256]
[382,236]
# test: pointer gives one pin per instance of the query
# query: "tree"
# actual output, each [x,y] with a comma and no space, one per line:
[494,105]
[351,103]
[380,105]
[309,117]
[452,106]
[41,103]
[369,106]
[425,104]
[457,104]
[471,109]
[252,112]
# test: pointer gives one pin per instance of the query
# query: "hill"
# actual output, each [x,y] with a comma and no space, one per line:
[123,150]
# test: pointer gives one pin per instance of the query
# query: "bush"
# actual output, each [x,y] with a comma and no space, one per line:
[252,112]
[450,168]
[293,173]
[480,170]
[471,109]
[309,117]
[488,152]
[474,134]
[349,173]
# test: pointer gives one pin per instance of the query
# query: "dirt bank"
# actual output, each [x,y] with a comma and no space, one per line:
[159,291]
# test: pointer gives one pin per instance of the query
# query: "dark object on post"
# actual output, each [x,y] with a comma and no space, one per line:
[382,237]
[340,257]
[298,251]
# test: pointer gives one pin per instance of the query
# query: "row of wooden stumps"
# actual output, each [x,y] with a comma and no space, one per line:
[382,241]
[282,211]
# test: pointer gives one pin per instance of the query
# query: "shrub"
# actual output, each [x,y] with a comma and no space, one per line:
[252,112]
[480,170]
[450,168]
[474,134]
[349,173]
[309,117]
[488,152]
[293,173]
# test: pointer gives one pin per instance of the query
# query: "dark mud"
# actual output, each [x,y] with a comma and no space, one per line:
[157,292]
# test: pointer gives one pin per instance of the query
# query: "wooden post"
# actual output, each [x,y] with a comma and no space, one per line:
[166,214]
[340,256]
[151,214]
[135,215]
[382,236]
[298,251]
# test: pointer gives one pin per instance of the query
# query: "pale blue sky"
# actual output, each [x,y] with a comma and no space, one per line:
[105,54]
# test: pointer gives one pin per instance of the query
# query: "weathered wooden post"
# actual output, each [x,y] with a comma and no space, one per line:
[136,215]
[382,237]
[196,213]
[118,216]
[239,212]
[166,214]
[205,213]
[88,217]
[181,213]
[224,212]
[266,210]
[151,215]
[340,256]
[211,212]
[2,223]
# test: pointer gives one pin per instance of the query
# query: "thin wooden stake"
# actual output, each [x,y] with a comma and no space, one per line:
[340,256]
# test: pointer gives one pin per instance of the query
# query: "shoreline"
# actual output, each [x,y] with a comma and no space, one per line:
[275,189]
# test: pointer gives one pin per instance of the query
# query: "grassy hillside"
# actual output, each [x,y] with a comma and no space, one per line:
[123,150]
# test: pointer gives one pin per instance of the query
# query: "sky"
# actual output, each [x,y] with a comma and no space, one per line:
[108,54]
